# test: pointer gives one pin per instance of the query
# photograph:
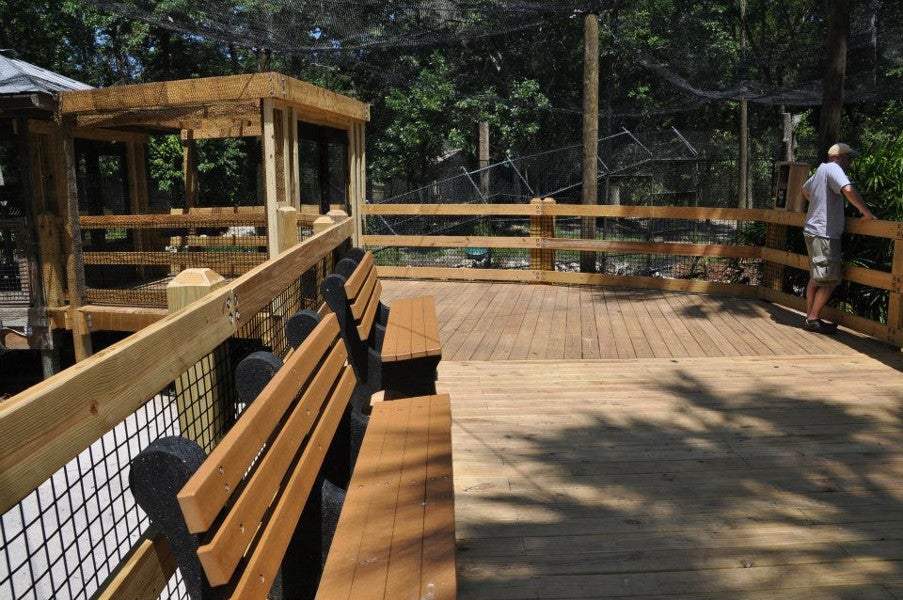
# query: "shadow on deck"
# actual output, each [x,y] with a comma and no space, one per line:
[621,443]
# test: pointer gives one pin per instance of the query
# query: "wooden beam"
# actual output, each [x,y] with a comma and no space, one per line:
[121,318]
[211,90]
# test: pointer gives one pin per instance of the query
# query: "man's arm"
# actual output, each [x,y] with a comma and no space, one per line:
[856,200]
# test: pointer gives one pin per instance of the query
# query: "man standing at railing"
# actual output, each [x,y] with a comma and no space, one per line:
[825,191]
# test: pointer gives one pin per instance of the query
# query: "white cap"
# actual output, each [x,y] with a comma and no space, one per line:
[841,149]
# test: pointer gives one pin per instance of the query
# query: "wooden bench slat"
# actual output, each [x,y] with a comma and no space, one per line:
[221,555]
[207,492]
[403,573]
[389,536]
[370,289]
[366,321]
[439,565]
[266,558]
[338,575]
[412,330]
[357,279]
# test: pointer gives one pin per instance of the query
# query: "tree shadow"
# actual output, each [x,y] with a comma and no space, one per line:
[748,489]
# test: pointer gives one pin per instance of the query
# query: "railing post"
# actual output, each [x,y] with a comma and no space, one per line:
[895,299]
[548,232]
[288,228]
[198,390]
[536,232]
[322,223]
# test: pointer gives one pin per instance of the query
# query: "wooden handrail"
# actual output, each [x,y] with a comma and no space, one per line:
[544,241]
[47,425]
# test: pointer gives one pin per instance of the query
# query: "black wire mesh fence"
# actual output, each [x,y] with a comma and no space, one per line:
[658,169]
[66,538]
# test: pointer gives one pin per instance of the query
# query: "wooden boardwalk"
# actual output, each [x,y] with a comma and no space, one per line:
[631,444]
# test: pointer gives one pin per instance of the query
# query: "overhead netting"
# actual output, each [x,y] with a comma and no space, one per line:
[685,50]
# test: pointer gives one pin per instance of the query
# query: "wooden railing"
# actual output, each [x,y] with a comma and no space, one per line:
[152,247]
[51,426]
[542,244]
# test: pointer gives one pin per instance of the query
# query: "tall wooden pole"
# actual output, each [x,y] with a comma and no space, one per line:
[484,159]
[590,132]
[835,72]
[743,158]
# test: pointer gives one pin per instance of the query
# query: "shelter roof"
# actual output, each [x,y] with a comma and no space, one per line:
[20,77]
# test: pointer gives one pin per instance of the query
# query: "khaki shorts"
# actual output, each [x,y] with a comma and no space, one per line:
[825,266]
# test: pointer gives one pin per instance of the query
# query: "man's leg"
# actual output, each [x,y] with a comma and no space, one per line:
[816,298]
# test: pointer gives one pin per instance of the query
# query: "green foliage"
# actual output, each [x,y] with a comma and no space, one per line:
[878,175]
[165,164]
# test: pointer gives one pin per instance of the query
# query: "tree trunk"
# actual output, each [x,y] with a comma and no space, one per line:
[835,71]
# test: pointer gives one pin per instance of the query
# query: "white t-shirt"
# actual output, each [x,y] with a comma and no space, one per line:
[826,216]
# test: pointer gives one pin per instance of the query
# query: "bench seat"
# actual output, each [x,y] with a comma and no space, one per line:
[395,537]
[393,348]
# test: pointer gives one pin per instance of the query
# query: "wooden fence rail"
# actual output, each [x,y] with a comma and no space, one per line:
[44,428]
[775,221]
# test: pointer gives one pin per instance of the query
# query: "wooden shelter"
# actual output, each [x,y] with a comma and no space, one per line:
[110,240]
[29,200]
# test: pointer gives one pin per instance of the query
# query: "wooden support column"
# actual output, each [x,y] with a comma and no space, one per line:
[296,159]
[202,416]
[190,169]
[138,200]
[358,179]
[75,264]
[271,194]
[484,159]
[895,301]
[590,133]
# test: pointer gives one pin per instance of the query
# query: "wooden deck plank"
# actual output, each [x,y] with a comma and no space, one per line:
[590,336]
[684,447]
[671,477]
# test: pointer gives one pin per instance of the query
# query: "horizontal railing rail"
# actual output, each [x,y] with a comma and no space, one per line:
[415,249]
[67,527]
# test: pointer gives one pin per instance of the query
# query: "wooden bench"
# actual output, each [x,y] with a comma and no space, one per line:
[267,495]
[394,348]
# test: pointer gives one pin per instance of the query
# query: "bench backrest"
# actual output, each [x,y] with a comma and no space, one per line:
[363,291]
[353,295]
[249,493]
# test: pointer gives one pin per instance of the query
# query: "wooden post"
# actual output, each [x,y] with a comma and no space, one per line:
[536,232]
[75,264]
[322,223]
[190,169]
[295,158]
[270,177]
[548,232]
[484,159]
[288,228]
[202,416]
[590,133]
[895,301]
[358,180]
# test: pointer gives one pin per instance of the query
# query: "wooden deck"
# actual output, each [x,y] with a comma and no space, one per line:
[631,444]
